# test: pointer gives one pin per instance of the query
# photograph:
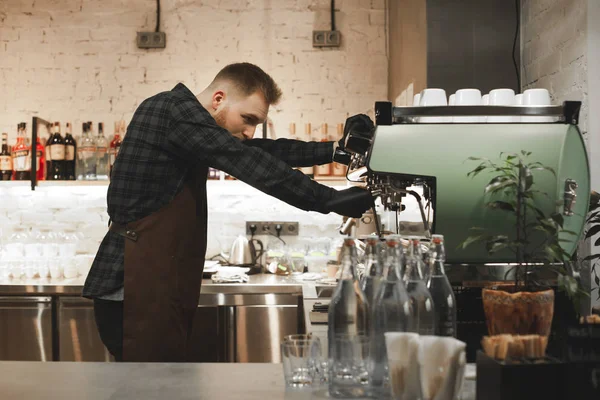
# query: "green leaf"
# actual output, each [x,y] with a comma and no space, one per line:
[558,218]
[539,212]
[544,169]
[592,257]
[569,232]
[476,171]
[476,158]
[499,185]
[592,231]
[501,205]
[470,240]
[496,247]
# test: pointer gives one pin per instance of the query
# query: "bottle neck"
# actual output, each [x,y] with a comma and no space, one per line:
[373,265]
[348,268]
[393,265]
[414,261]
[438,259]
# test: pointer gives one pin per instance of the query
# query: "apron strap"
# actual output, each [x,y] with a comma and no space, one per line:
[122,230]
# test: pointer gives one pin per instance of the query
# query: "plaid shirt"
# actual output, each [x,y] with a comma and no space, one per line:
[169,135]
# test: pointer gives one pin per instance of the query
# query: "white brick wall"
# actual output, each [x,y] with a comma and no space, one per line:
[78,61]
[554,50]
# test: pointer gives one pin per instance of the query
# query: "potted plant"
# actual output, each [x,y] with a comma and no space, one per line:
[592,223]
[526,306]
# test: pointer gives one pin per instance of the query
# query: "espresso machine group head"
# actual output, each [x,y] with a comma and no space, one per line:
[429,161]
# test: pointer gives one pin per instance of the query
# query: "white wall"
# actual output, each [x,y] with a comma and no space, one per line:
[75,61]
[554,50]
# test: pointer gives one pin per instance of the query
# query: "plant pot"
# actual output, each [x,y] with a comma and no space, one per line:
[519,313]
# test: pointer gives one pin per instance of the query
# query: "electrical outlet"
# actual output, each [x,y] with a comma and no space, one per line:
[327,38]
[333,39]
[266,228]
[151,40]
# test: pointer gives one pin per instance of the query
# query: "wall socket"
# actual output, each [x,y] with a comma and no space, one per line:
[151,40]
[327,38]
[264,228]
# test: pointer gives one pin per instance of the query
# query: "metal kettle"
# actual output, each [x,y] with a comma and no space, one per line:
[244,252]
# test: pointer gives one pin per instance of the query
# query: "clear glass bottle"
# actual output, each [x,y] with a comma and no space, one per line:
[348,329]
[391,312]
[422,303]
[86,155]
[373,263]
[444,301]
[102,156]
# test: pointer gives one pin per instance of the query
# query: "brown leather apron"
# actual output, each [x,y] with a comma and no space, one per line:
[164,260]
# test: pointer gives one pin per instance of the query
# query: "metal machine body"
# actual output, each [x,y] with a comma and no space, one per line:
[403,155]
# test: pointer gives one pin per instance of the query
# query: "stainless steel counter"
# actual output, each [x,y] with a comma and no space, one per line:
[258,284]
[104,381]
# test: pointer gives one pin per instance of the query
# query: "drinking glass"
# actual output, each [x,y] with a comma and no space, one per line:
[348,365]
[300,362]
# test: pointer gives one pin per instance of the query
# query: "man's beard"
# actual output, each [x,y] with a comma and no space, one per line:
[221,116]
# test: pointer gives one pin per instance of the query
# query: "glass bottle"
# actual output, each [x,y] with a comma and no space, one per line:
[52,126]
[348,327]
[102,157]
[391,312]
[5,160]
[86,155]
[20,155]
[422,303]
[115,145]
[56,144]
[70,151]
[373,267]
[444,301]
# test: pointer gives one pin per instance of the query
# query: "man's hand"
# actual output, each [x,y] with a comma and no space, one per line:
[352,202]
[359,125]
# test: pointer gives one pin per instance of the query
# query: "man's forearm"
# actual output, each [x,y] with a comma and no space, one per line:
[296,153]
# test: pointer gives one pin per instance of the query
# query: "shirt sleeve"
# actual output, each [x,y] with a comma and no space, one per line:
[199,139]
[296,153]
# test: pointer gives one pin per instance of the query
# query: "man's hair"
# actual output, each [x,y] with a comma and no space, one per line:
[248,79]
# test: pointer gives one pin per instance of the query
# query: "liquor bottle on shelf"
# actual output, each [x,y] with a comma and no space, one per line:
[102,159]
[325,169]
[51,128]
[86,155]
[20,156]
[338,169]
[40,158]
[114,146]
[56,144]
[6,169]
[70,151]
[308,171]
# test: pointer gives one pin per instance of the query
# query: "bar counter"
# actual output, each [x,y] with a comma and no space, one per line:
[257,284]
[116,381]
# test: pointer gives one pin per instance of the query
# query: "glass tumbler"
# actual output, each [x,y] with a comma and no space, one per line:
[300,362]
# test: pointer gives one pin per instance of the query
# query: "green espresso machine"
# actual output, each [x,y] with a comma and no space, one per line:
[404,154]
